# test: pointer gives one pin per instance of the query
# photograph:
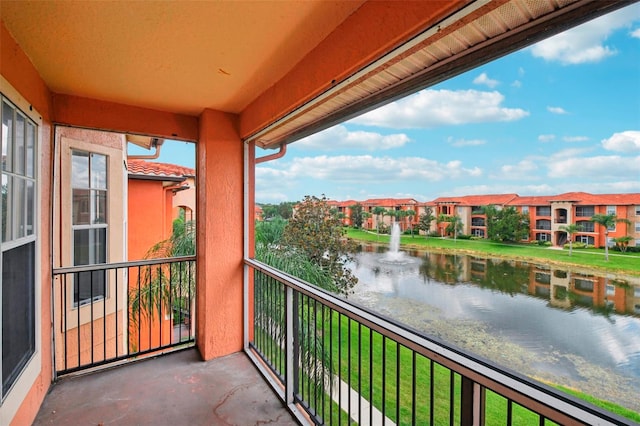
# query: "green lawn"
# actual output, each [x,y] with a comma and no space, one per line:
[360,359]
[627,263]
[423,388]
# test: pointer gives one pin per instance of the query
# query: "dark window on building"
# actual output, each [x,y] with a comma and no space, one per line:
[584,211]
[543,211]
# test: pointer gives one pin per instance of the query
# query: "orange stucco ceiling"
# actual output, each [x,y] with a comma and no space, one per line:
[168,55]
[288,68]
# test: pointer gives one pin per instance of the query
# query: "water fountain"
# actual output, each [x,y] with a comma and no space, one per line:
[394,255]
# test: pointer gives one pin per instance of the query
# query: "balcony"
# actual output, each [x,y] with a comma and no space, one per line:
[322,360]
[175,389]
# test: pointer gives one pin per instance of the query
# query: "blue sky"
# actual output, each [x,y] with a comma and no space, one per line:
[562,115]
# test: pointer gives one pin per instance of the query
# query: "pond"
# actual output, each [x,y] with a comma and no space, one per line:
[559,325]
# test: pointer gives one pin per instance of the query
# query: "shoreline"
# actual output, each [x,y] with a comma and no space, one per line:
[488,255]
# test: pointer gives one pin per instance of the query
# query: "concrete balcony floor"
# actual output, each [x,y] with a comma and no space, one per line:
[173,389]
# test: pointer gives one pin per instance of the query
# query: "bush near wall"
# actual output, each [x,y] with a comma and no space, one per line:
[577,245]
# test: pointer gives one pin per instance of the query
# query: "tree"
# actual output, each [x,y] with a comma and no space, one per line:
[454,226]
[159,287]
[410,214]
[506,224]
[319,236]
[378,211]
[269,211]
[622,242]
[426,218]
[270,249]
[357,215]
[570,230]
[607,221]
[285,209]
[399,216]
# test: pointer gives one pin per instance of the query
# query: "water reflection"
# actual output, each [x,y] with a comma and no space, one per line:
[562,289]
[577,328]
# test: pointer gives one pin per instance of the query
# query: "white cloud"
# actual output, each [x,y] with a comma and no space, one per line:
[433,108]
[600,167]
[628,141]
[465,142]
[339,137]
[575,138]
[516,84]
[557,110]
[367,168]
[546,138]
[585,43]
[522,170]
[484,79]
[635,33]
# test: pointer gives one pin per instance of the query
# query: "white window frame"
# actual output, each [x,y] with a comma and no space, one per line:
[12,400]
[68,141]
[92,226]
[611,210]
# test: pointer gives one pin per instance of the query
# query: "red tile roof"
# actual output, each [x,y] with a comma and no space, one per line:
[477,200]
[390,201]
[542,200]
[150,168]
[578,198]
[347,203]
[584,198]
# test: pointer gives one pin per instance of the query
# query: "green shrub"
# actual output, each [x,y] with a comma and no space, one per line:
[576,245]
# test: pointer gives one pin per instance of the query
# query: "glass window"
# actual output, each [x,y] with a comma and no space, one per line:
[89,176]
[611,209]
[589,240]
[543,211]
[586,226]
[584,211]
[17,254]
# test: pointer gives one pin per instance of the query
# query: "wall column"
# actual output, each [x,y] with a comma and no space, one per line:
[219,216]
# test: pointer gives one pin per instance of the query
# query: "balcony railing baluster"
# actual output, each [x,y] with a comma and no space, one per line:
[88,348]
[435,383]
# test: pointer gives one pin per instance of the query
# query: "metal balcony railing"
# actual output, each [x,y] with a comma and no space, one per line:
[112,312]
[333,362]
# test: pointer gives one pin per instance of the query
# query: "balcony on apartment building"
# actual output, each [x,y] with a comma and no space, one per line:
[325,359]
[309,357]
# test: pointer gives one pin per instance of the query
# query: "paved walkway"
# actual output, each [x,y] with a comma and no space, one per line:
[342,394]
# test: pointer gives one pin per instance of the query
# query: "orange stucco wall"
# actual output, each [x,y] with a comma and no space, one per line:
[220,235]
[16,68]
[150,216]
[146,199]
[92,113]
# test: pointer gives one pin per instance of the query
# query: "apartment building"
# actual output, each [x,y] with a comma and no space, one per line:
[547,214]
